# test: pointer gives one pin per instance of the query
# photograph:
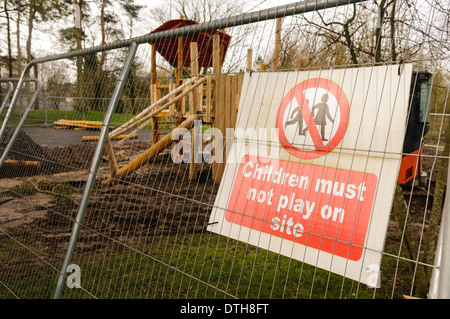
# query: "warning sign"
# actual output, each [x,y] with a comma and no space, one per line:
[324,208]
[320,188]
[312,118]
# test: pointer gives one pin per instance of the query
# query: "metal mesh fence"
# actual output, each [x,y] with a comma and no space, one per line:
[102,196]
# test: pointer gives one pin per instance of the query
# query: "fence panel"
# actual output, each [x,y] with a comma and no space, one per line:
[120,181]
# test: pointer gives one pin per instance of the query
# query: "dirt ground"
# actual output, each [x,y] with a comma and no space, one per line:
[150,202]
[158,189]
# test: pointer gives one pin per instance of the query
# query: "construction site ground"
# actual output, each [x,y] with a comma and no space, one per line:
[156,200]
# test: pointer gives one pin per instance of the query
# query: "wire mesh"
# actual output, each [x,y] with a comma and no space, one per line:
[145,229]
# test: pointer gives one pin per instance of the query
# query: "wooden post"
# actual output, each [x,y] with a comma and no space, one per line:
[209,91]
[179,75]
[111,157]
[194,97]
[216,54]
[222,49]
[249,60]
[301,63]
[153,65]
[219,122]
[154,93]
[194,107]
[217,103]
[172,109]
[216,71]
[155,125]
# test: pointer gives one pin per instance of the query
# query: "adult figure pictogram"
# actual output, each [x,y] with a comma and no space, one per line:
[322,114]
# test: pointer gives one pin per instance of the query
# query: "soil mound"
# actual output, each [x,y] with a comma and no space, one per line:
[56,160]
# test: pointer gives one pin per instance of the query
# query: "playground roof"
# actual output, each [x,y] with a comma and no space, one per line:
[168,47]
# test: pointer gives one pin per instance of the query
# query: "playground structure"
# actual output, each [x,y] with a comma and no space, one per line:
[211,98]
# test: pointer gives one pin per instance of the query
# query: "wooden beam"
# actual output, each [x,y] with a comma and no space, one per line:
[20,164]
[118,137]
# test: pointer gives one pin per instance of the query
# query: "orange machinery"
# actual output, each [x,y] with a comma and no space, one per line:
[418,124]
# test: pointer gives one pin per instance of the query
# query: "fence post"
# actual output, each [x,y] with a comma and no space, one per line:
[24,116]
[7,96]
[443,290]
[14,99]
[94,168]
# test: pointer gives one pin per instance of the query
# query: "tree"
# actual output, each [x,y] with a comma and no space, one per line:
[43,11]
[19,45]
[8,32]
[132,11]
[203,11]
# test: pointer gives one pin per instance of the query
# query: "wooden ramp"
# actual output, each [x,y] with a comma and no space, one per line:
[143,119]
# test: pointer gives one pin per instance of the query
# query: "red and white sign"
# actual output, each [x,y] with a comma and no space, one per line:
[323,193]
[312,118]
[320,207]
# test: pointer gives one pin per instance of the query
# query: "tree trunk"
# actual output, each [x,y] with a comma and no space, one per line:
[19,49]
[348,38]
[30,57]
[392,32]
[31,14]
[99,75]
[30,28]
[378,34]
[8,31]
[79,61]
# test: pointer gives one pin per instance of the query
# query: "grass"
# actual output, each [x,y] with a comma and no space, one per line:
[199,265]
[41,117]
[196,266]
[207,266]
[38,117]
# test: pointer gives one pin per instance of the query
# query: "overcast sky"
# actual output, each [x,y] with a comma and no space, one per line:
[46,35]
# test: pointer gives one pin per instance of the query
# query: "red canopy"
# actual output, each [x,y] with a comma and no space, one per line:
[168,47]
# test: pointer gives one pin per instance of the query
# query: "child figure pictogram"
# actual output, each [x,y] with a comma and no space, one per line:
[297,118]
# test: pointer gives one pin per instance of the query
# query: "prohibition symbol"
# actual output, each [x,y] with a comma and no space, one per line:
[312,118]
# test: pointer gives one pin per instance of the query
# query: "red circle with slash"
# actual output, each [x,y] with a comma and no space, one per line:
[320,148]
